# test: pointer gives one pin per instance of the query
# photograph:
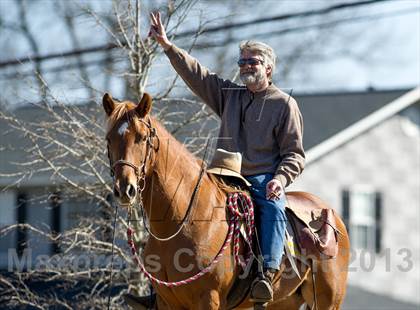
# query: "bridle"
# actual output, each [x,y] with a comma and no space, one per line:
[140,171]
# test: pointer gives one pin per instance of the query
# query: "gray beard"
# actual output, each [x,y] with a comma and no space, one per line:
[251,77]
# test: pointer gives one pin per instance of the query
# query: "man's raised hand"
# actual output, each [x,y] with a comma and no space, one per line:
[157,31]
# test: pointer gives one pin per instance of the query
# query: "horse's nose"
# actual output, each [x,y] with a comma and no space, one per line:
[131,191]
[125,192]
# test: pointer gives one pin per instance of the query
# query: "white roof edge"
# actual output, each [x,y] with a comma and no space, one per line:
[364,124]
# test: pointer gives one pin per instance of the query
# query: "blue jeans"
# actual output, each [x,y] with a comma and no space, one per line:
[270,218]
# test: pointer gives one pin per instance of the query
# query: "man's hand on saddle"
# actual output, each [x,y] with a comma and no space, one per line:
[274,190]
[158,32]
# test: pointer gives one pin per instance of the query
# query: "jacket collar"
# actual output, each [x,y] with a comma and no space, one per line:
[270,89]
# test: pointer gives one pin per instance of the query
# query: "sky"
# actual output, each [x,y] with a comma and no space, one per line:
[381,53]
[395,64]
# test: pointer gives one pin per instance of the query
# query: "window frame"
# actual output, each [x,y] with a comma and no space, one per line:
[373,224]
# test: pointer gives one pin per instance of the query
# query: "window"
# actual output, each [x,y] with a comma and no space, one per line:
[362,214]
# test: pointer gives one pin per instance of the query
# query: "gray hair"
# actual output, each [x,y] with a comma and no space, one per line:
[262,49]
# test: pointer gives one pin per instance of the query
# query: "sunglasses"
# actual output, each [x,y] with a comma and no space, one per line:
[249,61]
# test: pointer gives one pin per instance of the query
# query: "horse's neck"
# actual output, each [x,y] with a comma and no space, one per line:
[169,188]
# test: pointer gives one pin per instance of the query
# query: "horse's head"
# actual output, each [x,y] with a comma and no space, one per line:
[131,143]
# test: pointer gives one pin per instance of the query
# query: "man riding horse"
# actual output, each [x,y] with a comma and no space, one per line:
[261,122]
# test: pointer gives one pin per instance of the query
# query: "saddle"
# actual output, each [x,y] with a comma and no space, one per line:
[314,230]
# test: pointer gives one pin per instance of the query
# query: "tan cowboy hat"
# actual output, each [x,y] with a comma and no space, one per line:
[228,164]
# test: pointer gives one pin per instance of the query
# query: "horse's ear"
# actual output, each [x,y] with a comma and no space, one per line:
[108,104]
[144,106]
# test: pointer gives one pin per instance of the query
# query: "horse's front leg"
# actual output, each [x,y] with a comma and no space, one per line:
[209,300]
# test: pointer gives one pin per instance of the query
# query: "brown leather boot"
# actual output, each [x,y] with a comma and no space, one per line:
[261,288]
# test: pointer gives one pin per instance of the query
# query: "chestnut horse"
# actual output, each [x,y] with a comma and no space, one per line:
[150,165]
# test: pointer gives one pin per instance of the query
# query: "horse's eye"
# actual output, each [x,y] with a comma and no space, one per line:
[139,138]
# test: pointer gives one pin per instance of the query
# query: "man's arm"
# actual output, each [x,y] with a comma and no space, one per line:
[206,85]
[290,141]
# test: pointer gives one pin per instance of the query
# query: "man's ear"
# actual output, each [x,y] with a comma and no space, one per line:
[108,104]
[144,106]
[269,71]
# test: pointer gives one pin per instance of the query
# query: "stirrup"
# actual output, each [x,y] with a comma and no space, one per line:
[261,291]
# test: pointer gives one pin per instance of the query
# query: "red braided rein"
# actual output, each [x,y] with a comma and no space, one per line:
[246,215]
